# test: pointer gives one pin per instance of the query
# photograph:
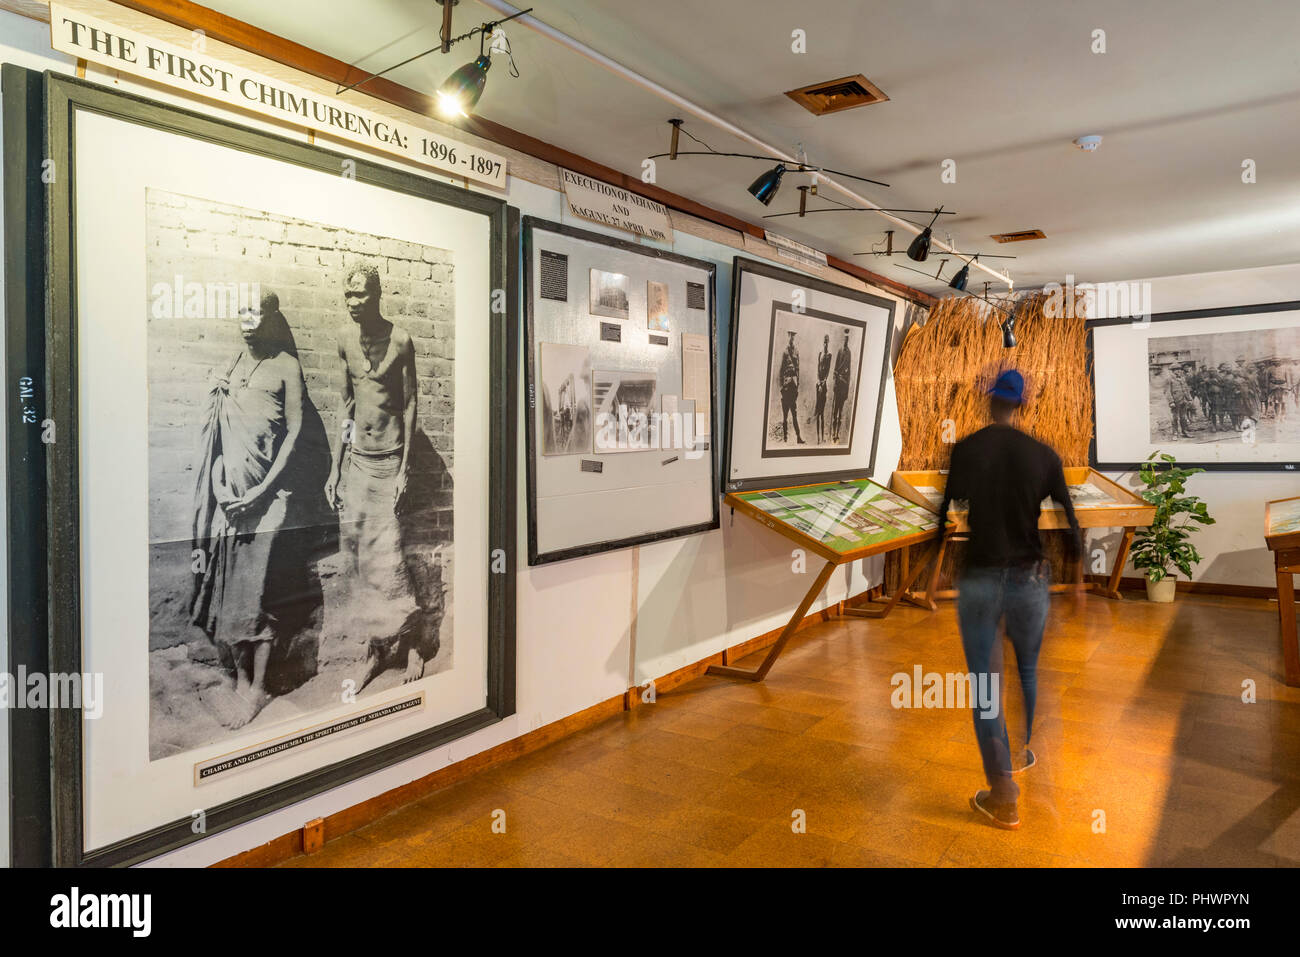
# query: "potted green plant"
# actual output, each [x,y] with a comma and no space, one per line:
[1165,547]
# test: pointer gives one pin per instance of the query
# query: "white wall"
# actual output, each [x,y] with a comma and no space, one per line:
[1233,548]
[694,595]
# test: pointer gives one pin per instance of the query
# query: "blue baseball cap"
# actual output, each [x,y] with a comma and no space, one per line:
[1009,386]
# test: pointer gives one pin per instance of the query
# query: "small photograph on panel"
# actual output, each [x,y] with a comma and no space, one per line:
[624,403]
[566,399]
[656,297]
[609,294]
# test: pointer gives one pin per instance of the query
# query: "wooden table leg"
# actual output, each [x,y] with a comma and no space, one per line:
[932,585]
[759,673]
[1116,573]
[868,611]
[1286,617]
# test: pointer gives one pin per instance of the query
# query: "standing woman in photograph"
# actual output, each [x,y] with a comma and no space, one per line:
[252,511]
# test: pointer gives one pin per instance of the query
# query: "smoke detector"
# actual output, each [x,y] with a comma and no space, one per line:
[1088,144]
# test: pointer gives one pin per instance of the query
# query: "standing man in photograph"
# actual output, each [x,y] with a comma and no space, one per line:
[790,391]
[1179,398]
[823,371]
[378,410]
[843,373]
[1004,475]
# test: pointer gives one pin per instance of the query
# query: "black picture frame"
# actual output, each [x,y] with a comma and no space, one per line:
[767,388]
[66,96]
[531,225]
[24,264]
[1209,313]
[742,265]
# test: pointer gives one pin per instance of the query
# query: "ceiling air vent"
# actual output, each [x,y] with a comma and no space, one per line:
[1019,237]
[846,93]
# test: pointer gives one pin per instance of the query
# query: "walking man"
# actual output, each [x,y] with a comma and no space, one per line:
[1004,475]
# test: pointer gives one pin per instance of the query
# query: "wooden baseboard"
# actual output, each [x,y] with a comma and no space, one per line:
[359,815]
[1198,588]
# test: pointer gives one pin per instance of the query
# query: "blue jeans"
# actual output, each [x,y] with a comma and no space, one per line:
[985,598]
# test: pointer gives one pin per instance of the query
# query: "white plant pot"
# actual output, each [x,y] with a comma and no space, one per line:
[1163,590]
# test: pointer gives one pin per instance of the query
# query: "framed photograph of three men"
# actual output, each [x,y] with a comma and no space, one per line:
[808,366]
[282,494]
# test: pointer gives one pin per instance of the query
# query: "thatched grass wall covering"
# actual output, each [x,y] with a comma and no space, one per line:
[944,366]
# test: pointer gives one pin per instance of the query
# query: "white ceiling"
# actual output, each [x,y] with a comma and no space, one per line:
[1186,91]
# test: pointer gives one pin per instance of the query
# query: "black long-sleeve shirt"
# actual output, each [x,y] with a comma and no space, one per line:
[1004,475]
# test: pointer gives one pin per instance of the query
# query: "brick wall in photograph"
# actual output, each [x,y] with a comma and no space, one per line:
[305,264]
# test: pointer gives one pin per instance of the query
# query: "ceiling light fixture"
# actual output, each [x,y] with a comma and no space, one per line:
[919,249]
[1009,328]
[959,280]
[460,92]
[764,188]
[681,103]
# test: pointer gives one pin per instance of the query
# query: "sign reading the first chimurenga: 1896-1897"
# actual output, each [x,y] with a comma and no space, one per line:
[194,72]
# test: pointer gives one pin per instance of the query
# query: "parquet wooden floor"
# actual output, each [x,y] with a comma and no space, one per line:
[1148,755]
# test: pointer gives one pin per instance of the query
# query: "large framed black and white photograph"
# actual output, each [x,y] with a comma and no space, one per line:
[620,413]
[283,485]
[814,366]
[1218,388]
[807,372]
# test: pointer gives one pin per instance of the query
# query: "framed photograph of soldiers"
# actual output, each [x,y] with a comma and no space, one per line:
[808,363]
[1221,388]
[296,382]
[619,429]
[814,364]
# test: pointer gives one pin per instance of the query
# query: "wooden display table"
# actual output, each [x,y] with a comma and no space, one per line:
[840,522]
[1282,534]
[1098,503]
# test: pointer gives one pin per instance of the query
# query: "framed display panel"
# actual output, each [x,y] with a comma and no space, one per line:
[1282,535]
[24,309]
[839,522]
[1217,388]
[808,363]
[1282,523]
[276,637]
[1098,501]
[620,370]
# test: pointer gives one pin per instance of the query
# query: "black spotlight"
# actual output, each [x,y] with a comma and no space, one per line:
[958,281]
[919,249]
[461,91]
[1009,330]
[764,188]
